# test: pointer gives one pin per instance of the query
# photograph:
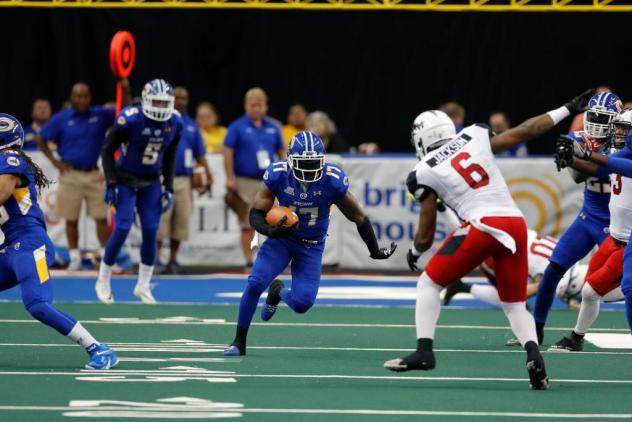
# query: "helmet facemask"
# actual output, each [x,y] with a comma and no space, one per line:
[307,167]
[597,123]
[158,107]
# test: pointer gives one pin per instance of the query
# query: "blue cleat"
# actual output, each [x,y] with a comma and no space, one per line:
[101,357]
[233,351]
[272,301]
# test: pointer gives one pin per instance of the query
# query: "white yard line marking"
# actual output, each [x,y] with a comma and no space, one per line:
[114,372]
[182,411]
[212,348]
[167,321]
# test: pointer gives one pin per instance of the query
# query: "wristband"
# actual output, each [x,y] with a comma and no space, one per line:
[414,250]
[559,114]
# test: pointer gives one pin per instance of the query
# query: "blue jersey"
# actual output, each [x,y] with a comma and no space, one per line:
[310,201]
[29,137]
[190,147]
[20,213]
[79,136]
[147,140]
[596,190]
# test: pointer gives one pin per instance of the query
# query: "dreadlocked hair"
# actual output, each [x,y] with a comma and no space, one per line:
[41,180]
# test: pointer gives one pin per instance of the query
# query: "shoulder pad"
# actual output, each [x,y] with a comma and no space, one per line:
[128,114]
[12,163]
[336,175]
[274,171]
[483,127]
[417,191]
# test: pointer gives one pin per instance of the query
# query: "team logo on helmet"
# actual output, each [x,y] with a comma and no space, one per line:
[6,124]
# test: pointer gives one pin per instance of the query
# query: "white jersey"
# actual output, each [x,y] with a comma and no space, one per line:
[620,206]
[464,175]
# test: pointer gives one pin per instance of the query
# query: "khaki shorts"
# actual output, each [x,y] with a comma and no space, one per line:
[74,187]
[247,189]
[174,223]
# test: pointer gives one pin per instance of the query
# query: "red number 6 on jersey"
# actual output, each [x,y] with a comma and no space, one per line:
[467,172]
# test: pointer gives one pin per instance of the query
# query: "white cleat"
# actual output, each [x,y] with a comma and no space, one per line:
[104,292]
[74,265]
[144,294]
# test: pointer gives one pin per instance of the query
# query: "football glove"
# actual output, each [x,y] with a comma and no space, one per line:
[412,260]
[578,104]
[564,152]
[166,200]
[279,230]
[384,253]
[111,194]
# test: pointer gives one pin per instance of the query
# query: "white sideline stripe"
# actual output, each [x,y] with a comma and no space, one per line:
[309,324]
[112,372]
[156,347]
[193,409]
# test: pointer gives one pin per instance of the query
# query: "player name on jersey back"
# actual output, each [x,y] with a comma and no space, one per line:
[464,174]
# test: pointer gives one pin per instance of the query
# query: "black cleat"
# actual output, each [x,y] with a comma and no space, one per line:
[453,289]
[537,374]
[272,301]
[423,361]
[567,344]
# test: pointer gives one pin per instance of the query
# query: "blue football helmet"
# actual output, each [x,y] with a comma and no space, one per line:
[158,100]
[306,157]
[11,132]
[598,117]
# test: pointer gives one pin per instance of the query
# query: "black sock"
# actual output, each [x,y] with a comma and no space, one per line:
[539,329]
[466,288]
[532,350]
[577,337]
[424,345]
[240,336]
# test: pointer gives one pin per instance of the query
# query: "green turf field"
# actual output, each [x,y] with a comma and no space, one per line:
[325,365]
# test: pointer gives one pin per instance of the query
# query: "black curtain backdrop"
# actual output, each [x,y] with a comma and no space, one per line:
[373,72]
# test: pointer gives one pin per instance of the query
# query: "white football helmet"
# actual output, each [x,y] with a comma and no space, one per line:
[570,286]
[621,125]
[431,129]
[158,100]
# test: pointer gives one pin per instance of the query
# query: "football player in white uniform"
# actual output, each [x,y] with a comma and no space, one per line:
[460,169]
[603,281]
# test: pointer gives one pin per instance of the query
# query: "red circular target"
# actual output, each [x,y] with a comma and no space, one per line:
[122,54]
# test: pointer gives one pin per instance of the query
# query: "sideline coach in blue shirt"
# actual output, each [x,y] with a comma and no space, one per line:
[249,147]
[79,132]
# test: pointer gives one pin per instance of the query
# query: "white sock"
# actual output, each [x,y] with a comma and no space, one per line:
[105,273]
[101,253]
[521,321]
[589,309]
[428,306]
[486,293]
[144,274]
[81,336]
[75,256]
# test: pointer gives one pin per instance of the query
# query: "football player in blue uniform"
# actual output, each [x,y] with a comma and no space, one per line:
[590,228]
[309,186]
[27,251]
[148,136]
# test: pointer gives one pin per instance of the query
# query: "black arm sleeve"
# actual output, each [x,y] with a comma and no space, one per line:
[258,221]
[113,141]
[368,235]
[169,164]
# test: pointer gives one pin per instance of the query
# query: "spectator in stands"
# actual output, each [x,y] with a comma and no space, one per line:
[369,148]
[499,123]
[40,114]
[455,112]
[321,124]
[174,224]
[627,105]
[578,120]
[79,132]
[212,132]
[296,122]
[249,148]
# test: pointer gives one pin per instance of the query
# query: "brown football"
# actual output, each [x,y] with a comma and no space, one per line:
[277,213]
[198,180]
